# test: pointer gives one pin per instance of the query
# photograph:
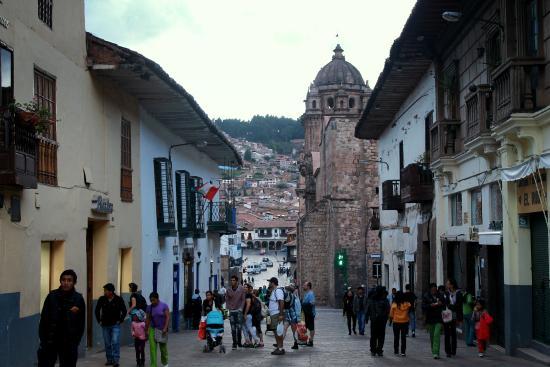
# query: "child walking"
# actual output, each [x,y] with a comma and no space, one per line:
[138,333]
[483,322]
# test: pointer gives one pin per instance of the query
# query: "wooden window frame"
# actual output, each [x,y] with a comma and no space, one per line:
[45,90]
[185,218]
[45,12]
[451,91]
[456,216]
[126,194]
[166,223]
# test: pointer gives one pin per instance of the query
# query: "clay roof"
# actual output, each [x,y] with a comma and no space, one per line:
[275,224]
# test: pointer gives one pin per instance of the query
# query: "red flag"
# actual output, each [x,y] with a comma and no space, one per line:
[208,191]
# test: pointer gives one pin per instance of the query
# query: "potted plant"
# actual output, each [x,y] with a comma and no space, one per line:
[32,113]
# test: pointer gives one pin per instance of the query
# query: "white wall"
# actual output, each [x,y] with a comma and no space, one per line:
[408,126]
[155,142]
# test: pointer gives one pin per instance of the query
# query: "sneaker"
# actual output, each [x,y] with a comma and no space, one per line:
[436,356]
[295,346]
[349,332]
[354,332]
[260,345]
[116,365]
[413,334]
[373,354]
[481,355]
[275,345]
[403,355]
[380,354]
[278,352]
[309,344]
[109,363]
[234,346]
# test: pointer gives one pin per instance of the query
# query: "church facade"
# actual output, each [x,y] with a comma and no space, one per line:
[337,233]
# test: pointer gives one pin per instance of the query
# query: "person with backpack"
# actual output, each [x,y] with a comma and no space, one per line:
[308,305]
[250,310]
[378,309]
[137,301]
[359,309]
[467,310]
[293,310]
[277,313]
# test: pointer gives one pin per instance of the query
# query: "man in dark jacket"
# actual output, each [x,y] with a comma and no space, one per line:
[432,305]
[61,324]
[110,312]
[378,309]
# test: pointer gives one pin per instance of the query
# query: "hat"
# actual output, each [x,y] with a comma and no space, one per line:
[109,287]
[274,280]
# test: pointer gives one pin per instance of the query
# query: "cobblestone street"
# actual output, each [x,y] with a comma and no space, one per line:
[333,347]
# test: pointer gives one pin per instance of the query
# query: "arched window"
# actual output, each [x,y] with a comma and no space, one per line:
[314,104]
[351,102]
[330,102]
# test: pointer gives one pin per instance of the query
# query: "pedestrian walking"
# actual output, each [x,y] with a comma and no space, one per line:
[257,319]
[432,305]
[210,303]
[308,305]
[399,317]
[360,309]
[453,303]
[348,311]
[467,311]
[411,298]
[292,314]
[483,323]
[156,326]
[378,309]
[139,335]
[62,322]
[196,303]
[234,301]
[277,314]
[251,339]
[110,312]
[137,301]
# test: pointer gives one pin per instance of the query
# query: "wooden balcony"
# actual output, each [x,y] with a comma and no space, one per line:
[479,113]
[222,218]
[417,184]
[391,195]
[445,139]
[518,86]
[18,152]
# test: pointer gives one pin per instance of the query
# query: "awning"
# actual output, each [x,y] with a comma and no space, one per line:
[519,171]
[490,238]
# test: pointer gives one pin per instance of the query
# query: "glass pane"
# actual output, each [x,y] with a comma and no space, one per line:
[6,76]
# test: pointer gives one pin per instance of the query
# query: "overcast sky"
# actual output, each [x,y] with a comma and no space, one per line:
[239,58]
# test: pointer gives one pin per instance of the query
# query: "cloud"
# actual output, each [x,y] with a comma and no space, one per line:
[244,57]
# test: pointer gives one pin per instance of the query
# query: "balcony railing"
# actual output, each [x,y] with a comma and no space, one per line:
[18,152]
[445,139]
[416,184]
[391,195]
[517,84]
[479,114]
[222,218]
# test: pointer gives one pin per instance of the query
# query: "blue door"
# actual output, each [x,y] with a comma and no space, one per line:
[176,298]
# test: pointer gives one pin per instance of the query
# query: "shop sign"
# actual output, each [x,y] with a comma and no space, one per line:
[101,205]
[529,200]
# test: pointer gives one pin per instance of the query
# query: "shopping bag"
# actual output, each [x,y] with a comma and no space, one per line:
[202,330]
[447,315]
[302,332]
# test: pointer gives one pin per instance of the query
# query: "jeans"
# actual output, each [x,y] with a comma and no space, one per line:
[352,320]
[236,321]
[377,335]
[361,322]
[469,330]
[435,337]
[400,332]
[139,345]
[249,330]
[450,337]
[48,354]
[153,350]
[412,321]
[111,338]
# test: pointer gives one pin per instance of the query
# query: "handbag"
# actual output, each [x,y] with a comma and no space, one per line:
[160,336]
[447,315]
[202,330]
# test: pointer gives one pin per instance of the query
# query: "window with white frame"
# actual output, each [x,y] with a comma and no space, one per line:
[456,209]
[476,207]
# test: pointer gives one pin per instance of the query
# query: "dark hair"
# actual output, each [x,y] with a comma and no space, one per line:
[359,288]
[110,287]
[197,291]
[68,272]
[309,285]
[208,292]
[399,298]
[407,287]
[154,295]
[133,287]
[453,282]
[481,302]
[433,285]
[235,277]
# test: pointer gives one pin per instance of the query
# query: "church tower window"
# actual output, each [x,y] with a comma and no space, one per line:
[330,102]
[314,104]
[351,103]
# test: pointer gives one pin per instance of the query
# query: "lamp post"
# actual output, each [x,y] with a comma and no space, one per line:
[455,16]
[200,144]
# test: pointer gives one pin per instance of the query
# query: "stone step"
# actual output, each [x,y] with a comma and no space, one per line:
[533,355]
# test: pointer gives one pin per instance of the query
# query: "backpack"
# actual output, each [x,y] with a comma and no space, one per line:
[141,303]
[288,299]
[256,309]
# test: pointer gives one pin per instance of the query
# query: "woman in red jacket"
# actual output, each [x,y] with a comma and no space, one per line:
[483,322]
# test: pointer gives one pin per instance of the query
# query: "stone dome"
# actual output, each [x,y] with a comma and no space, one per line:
[338,71]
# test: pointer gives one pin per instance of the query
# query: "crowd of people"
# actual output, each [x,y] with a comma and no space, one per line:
[444,309]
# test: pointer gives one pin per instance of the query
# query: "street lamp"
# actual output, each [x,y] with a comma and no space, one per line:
[200,144]
[455,16]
